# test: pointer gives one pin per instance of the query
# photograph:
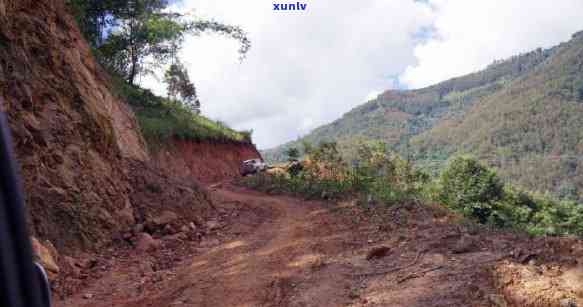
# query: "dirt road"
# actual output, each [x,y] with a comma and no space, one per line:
[281,251]
[265,267]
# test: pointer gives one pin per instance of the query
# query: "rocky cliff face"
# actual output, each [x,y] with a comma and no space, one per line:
[87,174]
[71,134]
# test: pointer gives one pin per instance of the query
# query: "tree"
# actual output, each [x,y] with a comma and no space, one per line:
[141,35]
[292,153]
[94,17]
[470,187]
[179,85]
[568,191]
[327,152]
[308,147]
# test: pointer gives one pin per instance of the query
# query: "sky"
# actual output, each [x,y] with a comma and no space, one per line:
[307,68]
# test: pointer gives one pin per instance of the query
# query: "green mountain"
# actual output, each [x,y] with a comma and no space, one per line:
[523,115]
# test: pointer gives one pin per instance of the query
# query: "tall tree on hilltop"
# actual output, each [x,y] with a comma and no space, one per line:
[134,37]
[180,87]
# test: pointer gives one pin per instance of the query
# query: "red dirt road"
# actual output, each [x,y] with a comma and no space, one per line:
[281,251]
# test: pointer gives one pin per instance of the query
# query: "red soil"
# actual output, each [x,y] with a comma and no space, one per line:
[205,162]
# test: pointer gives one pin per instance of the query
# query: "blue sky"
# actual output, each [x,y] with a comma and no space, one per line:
[308,68]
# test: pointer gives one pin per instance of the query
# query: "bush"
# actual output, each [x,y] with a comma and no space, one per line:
[292,153]
[385,176]
[541,214]
[465,186]
[380,176]
[470,187]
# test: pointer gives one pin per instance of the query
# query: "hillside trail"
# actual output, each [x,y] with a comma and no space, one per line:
[282,251]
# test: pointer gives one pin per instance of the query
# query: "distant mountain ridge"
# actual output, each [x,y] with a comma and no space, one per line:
[515,113]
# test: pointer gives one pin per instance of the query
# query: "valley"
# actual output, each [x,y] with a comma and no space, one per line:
[515,114]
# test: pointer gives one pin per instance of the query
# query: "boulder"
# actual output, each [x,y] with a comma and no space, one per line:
[138,228]
[45,255]
[378,252]
[464,245]
[568,302]
[126,214]
[145,242]
[176,237]
[71,265]
[212,225]
[159,221]
[497,300]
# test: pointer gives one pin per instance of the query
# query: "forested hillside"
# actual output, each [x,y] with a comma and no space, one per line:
[521,115]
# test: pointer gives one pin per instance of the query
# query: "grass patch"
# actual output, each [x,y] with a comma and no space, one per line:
[161,119]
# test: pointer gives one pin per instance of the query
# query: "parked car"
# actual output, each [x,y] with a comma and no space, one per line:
[253,166]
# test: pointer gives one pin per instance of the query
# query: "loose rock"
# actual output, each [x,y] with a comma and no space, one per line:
[71,265]
[145,242]
[138,228]
[497,300]
[568,302]
[212,225]
[378,252]
[164,218]
[44,256]
[465,245]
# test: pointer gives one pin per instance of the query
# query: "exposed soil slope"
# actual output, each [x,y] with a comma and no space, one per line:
[71,134]
[88,177]
[206,162]
[279,251]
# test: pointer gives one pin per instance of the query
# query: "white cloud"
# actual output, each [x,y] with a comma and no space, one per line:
[305,68]
[308,68]
[469,35]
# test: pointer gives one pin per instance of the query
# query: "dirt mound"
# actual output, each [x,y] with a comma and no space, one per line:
[157,192]
[542,272]
[206,162]
[167,212]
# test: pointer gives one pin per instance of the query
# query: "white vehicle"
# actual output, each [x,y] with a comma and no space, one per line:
[252,166]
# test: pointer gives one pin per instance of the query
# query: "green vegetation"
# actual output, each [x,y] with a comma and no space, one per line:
[474,190]
[466,186]
[179,85]
[133,38]
[379,176]
[162,119]
[292,153]
[470,187]
[522,116]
